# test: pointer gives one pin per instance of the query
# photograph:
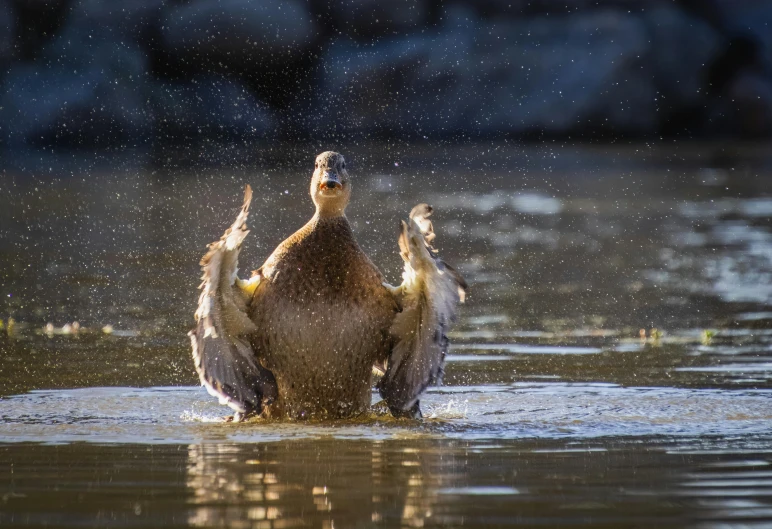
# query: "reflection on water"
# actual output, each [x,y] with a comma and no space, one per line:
[611,368]
[357,484]
[642,482]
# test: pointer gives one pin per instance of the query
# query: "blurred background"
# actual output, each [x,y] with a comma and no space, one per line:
[86,73]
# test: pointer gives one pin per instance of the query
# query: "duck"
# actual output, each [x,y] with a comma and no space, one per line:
[306,334]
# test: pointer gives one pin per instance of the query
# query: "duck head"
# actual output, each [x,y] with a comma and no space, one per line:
[330,186]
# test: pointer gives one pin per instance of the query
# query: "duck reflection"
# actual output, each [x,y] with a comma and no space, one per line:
[332,484]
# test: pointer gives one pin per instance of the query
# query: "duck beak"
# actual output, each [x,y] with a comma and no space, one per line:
[330,180]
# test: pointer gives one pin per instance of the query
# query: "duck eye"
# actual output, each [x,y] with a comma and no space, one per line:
[316,165]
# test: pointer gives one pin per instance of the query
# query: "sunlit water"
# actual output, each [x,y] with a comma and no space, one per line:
[556,410]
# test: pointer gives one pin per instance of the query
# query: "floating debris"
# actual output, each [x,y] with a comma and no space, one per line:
[9,327]
[707,337]
[68,328]
[654,336]
[75,328]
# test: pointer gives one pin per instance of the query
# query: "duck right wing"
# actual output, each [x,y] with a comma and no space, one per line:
[224,359]
[428,296]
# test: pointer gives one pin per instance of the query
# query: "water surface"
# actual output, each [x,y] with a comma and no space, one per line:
[612,367]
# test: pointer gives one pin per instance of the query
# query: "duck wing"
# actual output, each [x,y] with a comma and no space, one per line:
[224,359]
[429,295]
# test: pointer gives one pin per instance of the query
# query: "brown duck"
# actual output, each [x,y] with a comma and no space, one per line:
[304,335]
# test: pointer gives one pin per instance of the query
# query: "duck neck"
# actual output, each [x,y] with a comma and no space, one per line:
[329,211]
[324,223]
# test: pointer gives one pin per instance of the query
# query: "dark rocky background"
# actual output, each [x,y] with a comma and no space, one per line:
[93,73]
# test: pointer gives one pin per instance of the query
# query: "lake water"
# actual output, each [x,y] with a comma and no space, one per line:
[612,366]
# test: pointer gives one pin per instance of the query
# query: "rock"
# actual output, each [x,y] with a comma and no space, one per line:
[366,19]
[208,107]
[745,109]
[88,85]
[91,86]
[751,97]
[40,19]
[7,31]
[752,19]
[238,31]
[79,93]
[42,5]
[555,75]
[498,8]
[138,21]
[681,51]
[739,76]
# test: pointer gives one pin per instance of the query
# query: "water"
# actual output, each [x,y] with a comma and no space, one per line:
[612,367]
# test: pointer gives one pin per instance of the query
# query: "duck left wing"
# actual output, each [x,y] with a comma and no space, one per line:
[428,296]
[224,359]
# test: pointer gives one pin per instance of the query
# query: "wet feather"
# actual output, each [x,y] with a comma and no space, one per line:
[429,295]
[224,361]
